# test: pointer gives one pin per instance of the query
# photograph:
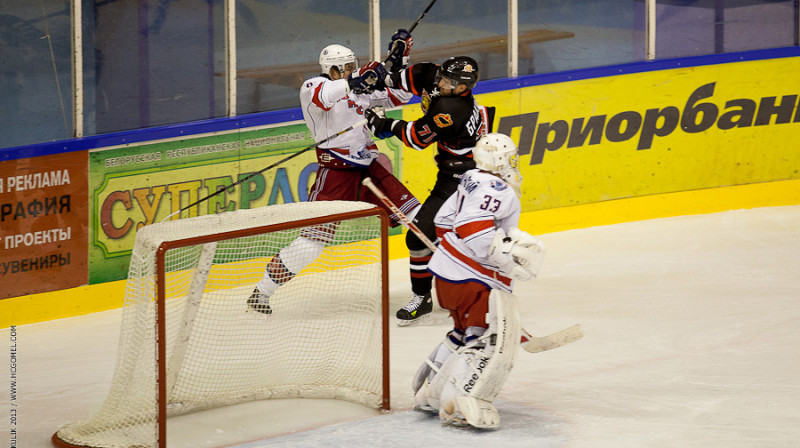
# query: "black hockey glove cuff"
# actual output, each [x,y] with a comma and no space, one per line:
[399,48]
[378,124]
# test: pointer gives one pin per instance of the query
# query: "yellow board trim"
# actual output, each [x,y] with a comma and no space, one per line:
[107,296]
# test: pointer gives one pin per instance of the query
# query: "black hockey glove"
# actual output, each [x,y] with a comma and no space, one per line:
[378,124]
[399,48]
[368,78]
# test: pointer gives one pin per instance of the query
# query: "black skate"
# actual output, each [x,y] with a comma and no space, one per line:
[415,311]
[259,301]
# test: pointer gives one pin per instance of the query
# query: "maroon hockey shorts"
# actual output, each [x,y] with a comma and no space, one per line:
[345,185]
[467,302]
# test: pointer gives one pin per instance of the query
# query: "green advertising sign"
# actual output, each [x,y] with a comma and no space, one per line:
[134,186]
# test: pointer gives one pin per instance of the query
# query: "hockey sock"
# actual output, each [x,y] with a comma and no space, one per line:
[421,278]
[289,261]
[275,275]
[300,253]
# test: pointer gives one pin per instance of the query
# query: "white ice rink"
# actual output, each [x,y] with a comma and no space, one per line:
[692,339]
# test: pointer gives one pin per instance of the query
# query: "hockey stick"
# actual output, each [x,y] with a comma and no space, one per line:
[532,344]
[421,16]
[535,344]
[394,45]
[407,223]
[229,188]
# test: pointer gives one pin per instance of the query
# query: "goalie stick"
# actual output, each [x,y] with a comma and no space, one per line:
[355,125]
[532,344]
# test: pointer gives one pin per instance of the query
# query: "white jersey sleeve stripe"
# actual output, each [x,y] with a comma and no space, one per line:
[317,99]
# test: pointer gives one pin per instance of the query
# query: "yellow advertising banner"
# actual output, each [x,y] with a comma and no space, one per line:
[633,135]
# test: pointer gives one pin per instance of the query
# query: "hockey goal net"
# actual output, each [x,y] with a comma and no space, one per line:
[189,342]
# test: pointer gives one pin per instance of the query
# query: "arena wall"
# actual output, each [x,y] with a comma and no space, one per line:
[598,146]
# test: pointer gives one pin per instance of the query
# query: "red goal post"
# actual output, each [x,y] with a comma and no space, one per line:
[186,296]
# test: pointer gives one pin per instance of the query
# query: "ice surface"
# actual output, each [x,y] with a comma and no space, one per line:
[692,329]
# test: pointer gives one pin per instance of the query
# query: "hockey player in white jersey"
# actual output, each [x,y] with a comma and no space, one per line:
[332,101]
[337,99]
[480,254]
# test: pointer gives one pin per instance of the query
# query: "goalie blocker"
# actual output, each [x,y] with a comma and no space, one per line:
[460,381]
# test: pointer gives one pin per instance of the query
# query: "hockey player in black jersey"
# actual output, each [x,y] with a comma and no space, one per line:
[454,121]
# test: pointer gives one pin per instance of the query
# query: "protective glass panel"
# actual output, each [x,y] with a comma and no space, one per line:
[278,45]
[472,28]
[712,26]
[557,36]
[154,63]
[35,72]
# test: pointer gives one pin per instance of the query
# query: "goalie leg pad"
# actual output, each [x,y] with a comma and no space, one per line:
[478,413]
[479,373]
[421,402]
[502,340]
[447,384]
[450,344]
[420,384]
[323,233]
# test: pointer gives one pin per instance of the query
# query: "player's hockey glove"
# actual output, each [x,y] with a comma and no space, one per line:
[378,124]
[399,48]
[368,78]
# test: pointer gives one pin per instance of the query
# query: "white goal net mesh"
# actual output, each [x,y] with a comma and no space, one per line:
[324,338]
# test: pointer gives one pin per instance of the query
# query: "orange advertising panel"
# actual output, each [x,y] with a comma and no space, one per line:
[43,223]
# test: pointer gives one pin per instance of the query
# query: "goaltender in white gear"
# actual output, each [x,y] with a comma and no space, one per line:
[480,255]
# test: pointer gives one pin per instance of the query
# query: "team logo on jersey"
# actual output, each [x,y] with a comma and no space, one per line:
[427,97]
[442,120]
[497,184]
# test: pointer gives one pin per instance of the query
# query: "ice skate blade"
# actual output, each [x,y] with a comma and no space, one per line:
[413,322]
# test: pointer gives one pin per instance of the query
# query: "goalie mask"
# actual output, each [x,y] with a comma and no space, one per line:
[497,153]
[337,56]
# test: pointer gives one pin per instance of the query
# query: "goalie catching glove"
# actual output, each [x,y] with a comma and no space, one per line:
[518,254]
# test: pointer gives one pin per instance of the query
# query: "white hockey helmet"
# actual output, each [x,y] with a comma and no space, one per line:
[338,56]
[497,153]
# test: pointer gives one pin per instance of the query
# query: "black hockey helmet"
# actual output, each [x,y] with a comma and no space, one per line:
[461,69]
